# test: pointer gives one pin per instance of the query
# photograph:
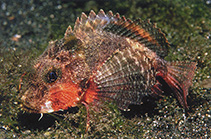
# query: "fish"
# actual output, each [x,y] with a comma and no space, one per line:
[106,56]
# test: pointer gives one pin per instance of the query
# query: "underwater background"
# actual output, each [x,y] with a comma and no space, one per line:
[26,27]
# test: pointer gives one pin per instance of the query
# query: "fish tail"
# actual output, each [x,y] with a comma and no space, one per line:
[178,79]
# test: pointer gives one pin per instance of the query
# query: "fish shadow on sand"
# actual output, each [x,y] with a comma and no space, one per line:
[147,108]
[32,121]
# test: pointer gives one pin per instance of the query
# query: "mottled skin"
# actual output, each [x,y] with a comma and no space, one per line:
[106,56]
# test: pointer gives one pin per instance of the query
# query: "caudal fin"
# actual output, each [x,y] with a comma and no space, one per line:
[179,79]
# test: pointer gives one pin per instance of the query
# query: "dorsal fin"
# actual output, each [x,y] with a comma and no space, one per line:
[140,31]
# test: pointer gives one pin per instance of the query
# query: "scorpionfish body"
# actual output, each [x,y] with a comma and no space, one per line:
[105,56]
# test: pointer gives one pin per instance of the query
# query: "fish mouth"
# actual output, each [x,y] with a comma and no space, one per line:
[30,103]
[45,108]
[26,105]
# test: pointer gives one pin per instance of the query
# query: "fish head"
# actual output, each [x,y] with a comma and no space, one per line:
[53,81]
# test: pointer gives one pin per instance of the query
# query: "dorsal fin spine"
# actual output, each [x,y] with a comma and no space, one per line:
[110,14]
[77,23]
[120,27]
[68,32]
[101,13]
[83,18]
[92,15]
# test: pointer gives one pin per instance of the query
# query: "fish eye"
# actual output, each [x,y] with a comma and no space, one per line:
[52,75]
